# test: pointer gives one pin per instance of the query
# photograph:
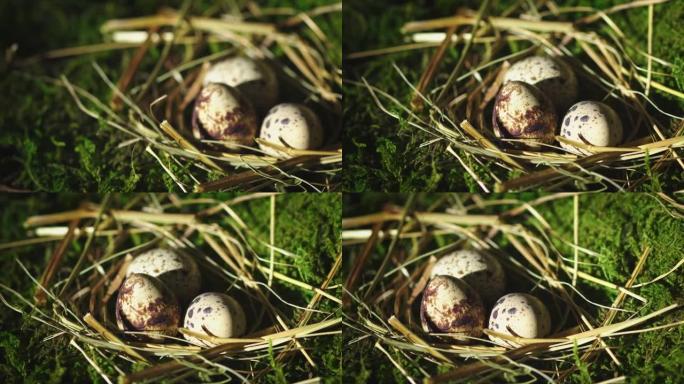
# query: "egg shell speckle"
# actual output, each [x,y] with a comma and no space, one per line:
[526,316]
[591,122]
[254,78]
[554,77]
[291,125]
[145,303]
[219,313]
[449,305]
[521,111]
[223,113]
[479,269]
[178,271]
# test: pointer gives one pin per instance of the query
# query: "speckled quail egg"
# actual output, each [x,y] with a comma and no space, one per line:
[254,78]
[291,125]
[178,271]
[223,113]
[524,314]
[521,111]
[591,122]
[479,269]
[450,305]
[554,77]
[145,303]
[217,313]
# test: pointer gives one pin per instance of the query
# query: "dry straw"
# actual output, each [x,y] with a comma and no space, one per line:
[454,109]
[153,112]
[80,307]
[387,314]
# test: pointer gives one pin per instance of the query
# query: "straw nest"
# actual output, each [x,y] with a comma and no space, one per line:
[78,301]
[152,101]
[454,106]
[382,299]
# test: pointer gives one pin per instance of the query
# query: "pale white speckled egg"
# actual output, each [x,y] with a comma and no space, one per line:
[254,78]
[178,271]
[554,77]
[524,314]
[521,111]
[219,313]
[479,269]
[450,305]
[591,122]
[291,125]
[145,303]
[223,113]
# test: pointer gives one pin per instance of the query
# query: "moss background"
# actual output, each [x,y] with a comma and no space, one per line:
[306,224]
[619,227]
[383,154]
[48,144]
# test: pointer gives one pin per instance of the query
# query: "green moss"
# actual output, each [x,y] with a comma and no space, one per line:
[582,375]
[277,374]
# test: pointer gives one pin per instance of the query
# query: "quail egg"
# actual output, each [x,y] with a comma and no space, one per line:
[291,125]
[479,269]
[178,271]
[521,111]
[222,113]
[216,313]
[524,314]
[450,305]
[591,122]
[254,78]
[145,303]
[554,77]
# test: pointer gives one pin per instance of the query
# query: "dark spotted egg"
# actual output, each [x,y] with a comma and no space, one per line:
[523,314]
[450,305]
[479,269]
[223,113]
[146,304]
[178,271]
[216,313]
[521,111]
[593,123]
[291,125]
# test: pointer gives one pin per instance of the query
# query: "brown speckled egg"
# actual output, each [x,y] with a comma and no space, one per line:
[554,77]
[222,113]
[593,123]
[291,125]
[178,271]
[254,78]
[217,313]
[450,305]
[524,314]
[521,111]
[146,304]
[479,269]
